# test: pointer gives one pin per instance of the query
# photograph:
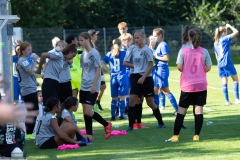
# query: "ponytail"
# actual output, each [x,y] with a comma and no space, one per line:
[218,33]
[185,34]
[196,37]
[116,47]
[51,102]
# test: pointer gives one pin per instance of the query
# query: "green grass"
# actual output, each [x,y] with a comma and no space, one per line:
[217,141]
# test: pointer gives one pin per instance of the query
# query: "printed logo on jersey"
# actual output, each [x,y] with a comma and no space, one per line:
[137,60]
[25,63]
[10,136]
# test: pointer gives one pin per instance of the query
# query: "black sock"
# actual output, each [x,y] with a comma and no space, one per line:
[131,116]
[178,123]
[139,113]
[88,124]
[136,113]
[97,101]
[198,123]
[193,110]
[99,119]
[78,136]
[158,116]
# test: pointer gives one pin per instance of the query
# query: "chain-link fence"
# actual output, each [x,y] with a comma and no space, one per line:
[41,38]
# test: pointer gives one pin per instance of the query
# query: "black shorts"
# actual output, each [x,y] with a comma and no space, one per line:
[6,150]
[87,98]
[192,98]
[65,91]
[103,82]
[49,144]
[50,88]
[145,89]
[32,98]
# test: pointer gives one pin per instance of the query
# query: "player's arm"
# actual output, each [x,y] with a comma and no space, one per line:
[128,64]
[104,66]
[180,67]
[148,70]
[42,60]
[60,133]
[163,58]
[234,30]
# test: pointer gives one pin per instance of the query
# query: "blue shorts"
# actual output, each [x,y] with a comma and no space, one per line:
[119,85]
[227,71]
[160,76]
[16,88]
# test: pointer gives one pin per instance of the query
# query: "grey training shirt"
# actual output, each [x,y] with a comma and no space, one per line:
[139,57]
[54,66]
[66,113]
[206,57]
[44,130]
[89,62]
[65,73]
[28,82]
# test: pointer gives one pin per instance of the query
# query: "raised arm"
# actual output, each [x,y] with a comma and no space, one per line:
[234,30]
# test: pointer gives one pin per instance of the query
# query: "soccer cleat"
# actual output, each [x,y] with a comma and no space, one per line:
[183,127]
[196,138]
[174,138]
[159,126]
[108,130]
[29,137]
[99,106]
[162,108]
[237,101]
[135,126]
[129,129]
[228,103]
[140,125]
[113,118]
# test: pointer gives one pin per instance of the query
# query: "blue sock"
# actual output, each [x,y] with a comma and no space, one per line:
[225,91]
[156,100]
[113,107]
[121,108]
[236,90]
[173,101]
[127,102]
[162,99]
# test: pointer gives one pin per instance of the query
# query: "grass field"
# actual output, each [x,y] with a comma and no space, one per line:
[218,141]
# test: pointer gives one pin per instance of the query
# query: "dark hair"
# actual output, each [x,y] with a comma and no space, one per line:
[67,104]
[196,37]
[185,34]
[69,48]
[50,103]
[69,39]
[17,51]
[86,35]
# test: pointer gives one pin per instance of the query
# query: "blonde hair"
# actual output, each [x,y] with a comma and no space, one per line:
[54,41]
[116,47]
[196,37]
[159,32]
[126,37]
[218,33]
[122,25]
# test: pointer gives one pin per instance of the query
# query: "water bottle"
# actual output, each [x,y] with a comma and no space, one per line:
[209,123]
[95,107]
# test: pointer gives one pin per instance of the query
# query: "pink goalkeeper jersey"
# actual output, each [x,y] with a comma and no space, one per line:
[193,78]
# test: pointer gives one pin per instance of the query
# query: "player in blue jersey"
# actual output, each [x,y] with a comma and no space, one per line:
[225,64]
[119,77]
[161,74]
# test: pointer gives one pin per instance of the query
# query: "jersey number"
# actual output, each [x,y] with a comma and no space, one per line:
[193,67]
[116,64]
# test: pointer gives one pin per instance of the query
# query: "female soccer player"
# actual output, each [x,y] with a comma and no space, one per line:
[119,78]
[161,74]
[142,81]
[225,65]
[91,79]
[194,62]
[49,135]
[66,115]
[50,86]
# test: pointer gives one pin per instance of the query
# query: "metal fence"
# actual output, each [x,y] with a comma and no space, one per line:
[41,38]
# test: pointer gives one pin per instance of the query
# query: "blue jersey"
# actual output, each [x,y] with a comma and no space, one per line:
[162,49]
[222,50]
[115,62]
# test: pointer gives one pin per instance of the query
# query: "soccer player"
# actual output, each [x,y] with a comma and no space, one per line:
[122,27]
[119,79]
[49,135]
[161,74]
[226,68]
[91,80]
[50,86]
[141,79]
[94,37]
[194,62]
[26,66]
[75,69]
